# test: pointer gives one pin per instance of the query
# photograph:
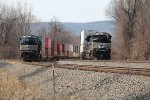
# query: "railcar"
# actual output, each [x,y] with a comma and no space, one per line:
[36,48]
[30,47]
[95,45]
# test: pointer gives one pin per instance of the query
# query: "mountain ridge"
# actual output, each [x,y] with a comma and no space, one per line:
[77,27]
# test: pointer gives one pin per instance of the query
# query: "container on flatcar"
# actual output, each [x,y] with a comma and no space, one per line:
[47,46]
[70,50]
[63,49]
[43,47]
[53,49]
[67,50]
[76,51]
[59,49]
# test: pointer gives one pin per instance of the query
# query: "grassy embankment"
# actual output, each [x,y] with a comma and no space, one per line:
[14,89]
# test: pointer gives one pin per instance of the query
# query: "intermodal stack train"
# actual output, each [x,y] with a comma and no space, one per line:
[35,48]
[94,45]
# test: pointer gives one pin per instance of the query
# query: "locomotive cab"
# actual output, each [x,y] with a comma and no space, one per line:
[30,48]
[97,46]
[101,48]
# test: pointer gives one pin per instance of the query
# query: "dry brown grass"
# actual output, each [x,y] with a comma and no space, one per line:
[11,88]
[14,89]
[8,52]
[62,97]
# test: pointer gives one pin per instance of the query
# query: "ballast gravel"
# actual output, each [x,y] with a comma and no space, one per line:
[83,84]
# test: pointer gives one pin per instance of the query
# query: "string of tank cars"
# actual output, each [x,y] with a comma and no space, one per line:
[107,69]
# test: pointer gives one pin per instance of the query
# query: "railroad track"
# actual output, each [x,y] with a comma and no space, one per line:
[121,70]
[121,61]
[107,69]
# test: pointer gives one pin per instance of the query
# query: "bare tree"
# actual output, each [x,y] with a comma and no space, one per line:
[24,23]
[14,22]
[141,41]
[127,14]
[58,32]
[7,20]
[43,30]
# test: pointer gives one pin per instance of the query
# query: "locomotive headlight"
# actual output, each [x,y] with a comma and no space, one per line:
[104,45]
[27,47]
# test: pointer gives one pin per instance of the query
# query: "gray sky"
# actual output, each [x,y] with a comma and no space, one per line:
[67,10]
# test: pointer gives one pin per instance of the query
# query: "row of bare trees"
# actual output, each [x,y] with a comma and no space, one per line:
[132,40]
[14,22]
[18,21]
[57,32]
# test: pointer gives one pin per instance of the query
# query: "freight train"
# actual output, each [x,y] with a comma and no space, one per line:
[35,48]
[95,45]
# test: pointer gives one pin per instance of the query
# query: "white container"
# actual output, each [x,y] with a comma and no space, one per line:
[74,48]
[83,36]
[78,49]
[66,47]
[70,47]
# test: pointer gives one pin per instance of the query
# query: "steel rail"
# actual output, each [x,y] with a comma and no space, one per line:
[107,69]
[120,61]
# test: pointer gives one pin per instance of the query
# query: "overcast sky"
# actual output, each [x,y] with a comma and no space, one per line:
[67,10]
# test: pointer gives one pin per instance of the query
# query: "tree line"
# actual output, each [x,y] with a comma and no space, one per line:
[56,30]
[18,21]
[132,39]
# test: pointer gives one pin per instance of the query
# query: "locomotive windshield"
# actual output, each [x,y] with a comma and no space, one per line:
[28,41]
[99,38]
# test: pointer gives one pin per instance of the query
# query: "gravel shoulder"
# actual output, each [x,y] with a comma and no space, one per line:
[85,84]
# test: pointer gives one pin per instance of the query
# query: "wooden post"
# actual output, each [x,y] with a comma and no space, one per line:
[54,90]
